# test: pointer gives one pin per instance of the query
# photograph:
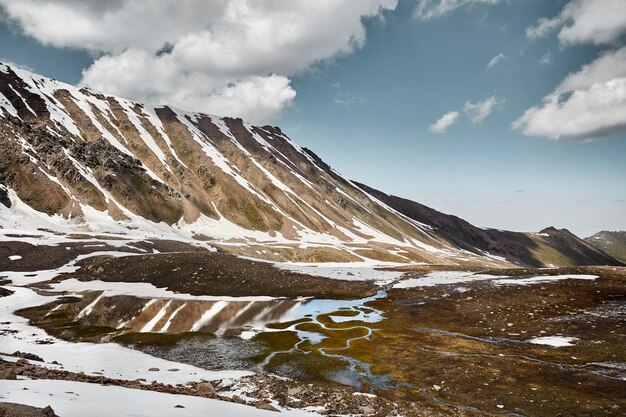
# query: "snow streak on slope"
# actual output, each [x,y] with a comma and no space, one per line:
[122,164]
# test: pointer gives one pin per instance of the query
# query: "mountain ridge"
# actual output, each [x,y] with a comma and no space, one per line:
[610,242]
[76,159]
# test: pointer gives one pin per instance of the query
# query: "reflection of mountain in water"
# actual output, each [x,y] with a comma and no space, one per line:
[175,316]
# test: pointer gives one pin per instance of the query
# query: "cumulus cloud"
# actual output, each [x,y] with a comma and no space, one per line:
[477,112]
[495,60]
[590,103]
[229,57]
[608,66]
[595,112]
[444,122]
[428,9]
[585,21]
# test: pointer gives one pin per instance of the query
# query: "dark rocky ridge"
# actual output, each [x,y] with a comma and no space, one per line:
[519,248]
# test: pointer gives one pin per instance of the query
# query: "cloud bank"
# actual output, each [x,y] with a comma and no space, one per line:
[227,57]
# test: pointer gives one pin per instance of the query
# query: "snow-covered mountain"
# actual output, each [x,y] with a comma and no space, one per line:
[74,159]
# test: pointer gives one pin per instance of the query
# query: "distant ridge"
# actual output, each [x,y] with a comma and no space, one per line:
[613,243]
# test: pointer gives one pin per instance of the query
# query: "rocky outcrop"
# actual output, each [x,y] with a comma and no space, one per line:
[21,410]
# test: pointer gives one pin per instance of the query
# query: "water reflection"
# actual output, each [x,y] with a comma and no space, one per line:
[174,316]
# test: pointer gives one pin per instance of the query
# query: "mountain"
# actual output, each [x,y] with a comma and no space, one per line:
[613,243]
[77,160]
[549,247]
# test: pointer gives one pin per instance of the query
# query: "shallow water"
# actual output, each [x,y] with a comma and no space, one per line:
[225,333]
[219,317]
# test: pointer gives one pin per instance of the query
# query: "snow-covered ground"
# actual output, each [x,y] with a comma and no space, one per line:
[33,277]
[543,279]
[441,278]
[142,290]
[77,399]
[355,271]
[456,277]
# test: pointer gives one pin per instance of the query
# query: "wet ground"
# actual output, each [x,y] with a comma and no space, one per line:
[538,347]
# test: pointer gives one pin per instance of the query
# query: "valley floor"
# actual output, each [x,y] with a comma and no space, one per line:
[94,323]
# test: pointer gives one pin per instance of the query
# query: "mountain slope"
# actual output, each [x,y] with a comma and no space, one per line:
[613,243]
[74,159]
[548,247]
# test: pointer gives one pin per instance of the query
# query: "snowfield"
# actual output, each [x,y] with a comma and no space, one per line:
[77,399]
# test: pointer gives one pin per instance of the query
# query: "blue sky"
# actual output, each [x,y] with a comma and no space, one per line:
[366,109]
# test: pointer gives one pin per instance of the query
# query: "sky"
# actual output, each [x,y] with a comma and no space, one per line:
[508,113]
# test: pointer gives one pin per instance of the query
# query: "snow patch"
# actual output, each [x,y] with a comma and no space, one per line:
[442,278]
[543,279]
[554,341]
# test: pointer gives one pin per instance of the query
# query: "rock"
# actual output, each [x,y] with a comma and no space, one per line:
[205,388]
[29,356]
[436,387]
[179,406]
[293,391]
[237,399]
[266,406]
[367,410]
[154,370]
[48,411]
[41,373]
[21,410]
[8,374]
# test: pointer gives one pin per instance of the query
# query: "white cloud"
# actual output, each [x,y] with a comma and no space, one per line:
[230,57]
[444,122]
[608,66]
[591,113]
[590,103]
[428,9]
[546,58]
[585,21]
[495,60]
[479,111]
[543,27]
